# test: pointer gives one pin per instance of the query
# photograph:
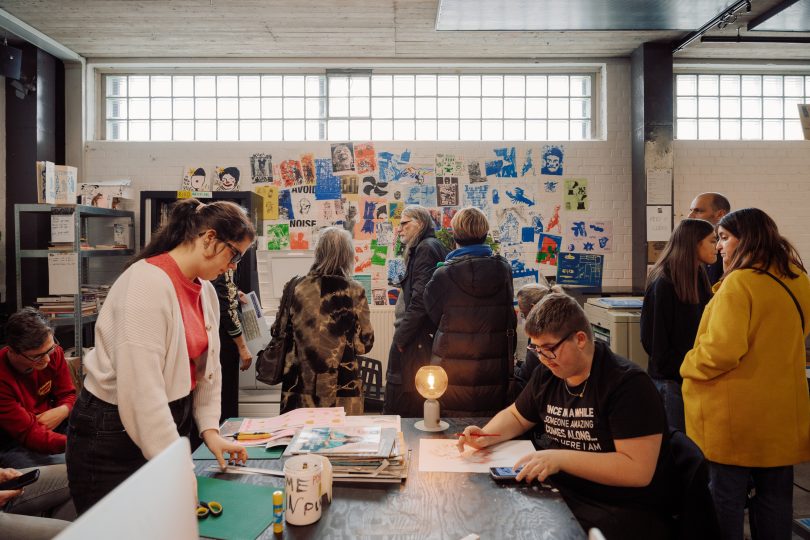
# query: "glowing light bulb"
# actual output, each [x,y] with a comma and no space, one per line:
[431,381]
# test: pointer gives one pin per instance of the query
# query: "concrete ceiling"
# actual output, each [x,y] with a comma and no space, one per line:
[341,29]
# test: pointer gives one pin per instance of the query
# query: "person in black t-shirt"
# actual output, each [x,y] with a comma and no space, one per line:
[609,447]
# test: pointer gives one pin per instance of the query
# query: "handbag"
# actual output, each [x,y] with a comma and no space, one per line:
[270,361]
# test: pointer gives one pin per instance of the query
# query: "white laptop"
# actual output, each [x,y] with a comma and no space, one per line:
[157,502]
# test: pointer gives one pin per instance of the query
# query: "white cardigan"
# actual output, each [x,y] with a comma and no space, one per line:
[140,361]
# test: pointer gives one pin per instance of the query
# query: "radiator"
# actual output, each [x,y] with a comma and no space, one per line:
[382,320]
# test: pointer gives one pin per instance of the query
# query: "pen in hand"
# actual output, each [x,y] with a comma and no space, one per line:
[478,434]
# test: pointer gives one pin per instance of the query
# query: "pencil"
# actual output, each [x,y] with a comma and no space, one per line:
[479,434]
[251,435]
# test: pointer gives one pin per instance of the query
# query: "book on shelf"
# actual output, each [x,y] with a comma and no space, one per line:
[56,184]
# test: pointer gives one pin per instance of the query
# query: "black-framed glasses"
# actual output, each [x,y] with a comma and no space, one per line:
[549,353]
[40,356]
[237,255]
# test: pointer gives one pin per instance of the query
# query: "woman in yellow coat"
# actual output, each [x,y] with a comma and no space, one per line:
[745,389]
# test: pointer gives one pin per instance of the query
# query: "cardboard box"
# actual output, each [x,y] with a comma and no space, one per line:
[56,184]
[106,194]
[804,116]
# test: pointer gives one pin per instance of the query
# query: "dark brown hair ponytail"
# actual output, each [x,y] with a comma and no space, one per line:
[189,217]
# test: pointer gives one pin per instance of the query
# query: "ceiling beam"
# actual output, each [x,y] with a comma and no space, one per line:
[767,14]
[708,26]
[35,37]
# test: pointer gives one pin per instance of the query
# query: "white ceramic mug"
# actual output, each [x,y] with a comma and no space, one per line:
[302,484]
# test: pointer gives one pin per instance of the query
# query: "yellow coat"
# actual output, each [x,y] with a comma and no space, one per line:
[744,383]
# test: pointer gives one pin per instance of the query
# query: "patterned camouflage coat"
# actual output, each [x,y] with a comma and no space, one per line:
[331,326]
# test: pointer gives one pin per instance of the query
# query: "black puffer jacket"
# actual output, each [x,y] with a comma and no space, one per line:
[414,328]
[470,299]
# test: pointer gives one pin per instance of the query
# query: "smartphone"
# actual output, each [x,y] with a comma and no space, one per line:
[21,481]
[503,474]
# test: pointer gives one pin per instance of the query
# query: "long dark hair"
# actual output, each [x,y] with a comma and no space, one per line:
[760,244]
[679,261]
[190,217]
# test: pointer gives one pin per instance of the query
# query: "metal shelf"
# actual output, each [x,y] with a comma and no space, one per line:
[71,321]
[43,253]
[81,214]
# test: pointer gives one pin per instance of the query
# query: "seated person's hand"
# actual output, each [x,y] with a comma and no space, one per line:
[538,465]
[7,495]
[243,298]
[53,417]
[468,437]
[237,454]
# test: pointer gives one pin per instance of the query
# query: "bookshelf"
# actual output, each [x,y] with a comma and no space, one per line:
[90,228]
[155,208]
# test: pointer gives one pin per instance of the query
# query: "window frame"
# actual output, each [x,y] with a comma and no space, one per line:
[741,71]
[594,72]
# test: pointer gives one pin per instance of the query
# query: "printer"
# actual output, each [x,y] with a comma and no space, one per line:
[615,322]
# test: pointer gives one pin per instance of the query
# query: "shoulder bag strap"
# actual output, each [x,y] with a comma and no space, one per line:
[792,296]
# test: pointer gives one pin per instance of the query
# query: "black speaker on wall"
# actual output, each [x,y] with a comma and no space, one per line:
[10,62]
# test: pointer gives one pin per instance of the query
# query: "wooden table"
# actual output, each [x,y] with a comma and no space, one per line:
[428,505]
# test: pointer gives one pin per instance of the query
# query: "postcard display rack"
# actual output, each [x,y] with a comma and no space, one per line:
[156,205]
[81,313]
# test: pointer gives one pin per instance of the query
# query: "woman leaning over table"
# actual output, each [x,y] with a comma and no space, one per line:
[331,326]
[156,360]
[745,390]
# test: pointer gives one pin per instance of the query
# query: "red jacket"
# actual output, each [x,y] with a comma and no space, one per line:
[24,396]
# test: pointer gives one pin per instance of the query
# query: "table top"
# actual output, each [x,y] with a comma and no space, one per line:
[428,505]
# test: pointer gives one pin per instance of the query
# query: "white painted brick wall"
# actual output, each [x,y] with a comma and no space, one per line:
[605,163]
[771,175]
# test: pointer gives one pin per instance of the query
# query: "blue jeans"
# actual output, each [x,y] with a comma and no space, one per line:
[673,402]
[770,512]
[14,456]
[100,454]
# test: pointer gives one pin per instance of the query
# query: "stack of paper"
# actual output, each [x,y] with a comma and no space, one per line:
[358,453]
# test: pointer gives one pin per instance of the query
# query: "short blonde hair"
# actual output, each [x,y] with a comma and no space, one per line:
[470,226]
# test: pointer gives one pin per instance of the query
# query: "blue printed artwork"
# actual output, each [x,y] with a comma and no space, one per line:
[590,235]
[424,194]
[285,206]
[507,156]
[528,164]
[519,197]
[392,166]
[584,269]
[327,185]
[396,270]
[553,156]
[527,234]
[476,195]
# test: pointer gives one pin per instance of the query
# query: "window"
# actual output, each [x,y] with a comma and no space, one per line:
[739,106]
[349,106]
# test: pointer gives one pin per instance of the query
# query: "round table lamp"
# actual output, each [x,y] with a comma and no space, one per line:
[431,382]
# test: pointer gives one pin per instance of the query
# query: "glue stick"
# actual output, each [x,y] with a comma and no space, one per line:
[278,512]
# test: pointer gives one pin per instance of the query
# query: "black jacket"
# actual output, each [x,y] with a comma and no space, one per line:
[414,327]
[669,327]
[470,300]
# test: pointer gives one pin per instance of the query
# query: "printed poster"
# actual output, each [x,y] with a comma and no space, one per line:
[583,269]
[277,236]
[575,198]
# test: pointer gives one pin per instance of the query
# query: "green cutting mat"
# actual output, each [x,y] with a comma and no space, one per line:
[247,510]
[254,452]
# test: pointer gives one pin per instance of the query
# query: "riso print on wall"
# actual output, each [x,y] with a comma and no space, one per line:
[227,179]
[575,197]
[308,168]
[553,156]
[548,249]
[447,190]
[277,236]
[589,235]
[195,179]
[343,158]
[261,168]
[291,174]
[365,158]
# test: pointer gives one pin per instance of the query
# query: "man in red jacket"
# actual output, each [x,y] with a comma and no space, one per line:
[36,393]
